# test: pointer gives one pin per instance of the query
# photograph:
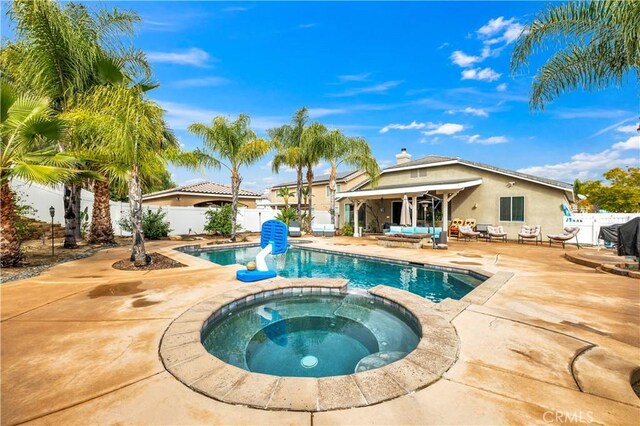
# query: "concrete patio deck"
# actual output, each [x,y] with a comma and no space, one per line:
[556,344]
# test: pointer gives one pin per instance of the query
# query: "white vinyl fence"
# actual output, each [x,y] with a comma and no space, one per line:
[182,220]
[590,223]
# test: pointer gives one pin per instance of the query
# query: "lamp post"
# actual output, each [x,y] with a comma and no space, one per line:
[52,212]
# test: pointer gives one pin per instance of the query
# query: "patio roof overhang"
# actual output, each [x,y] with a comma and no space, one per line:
[398,191]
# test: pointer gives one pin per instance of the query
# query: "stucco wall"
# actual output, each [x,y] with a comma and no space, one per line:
[542,205]
[191,200]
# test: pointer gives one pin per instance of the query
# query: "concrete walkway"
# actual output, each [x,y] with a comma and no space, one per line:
[557,343]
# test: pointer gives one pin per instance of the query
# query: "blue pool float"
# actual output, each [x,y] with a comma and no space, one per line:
[273,240]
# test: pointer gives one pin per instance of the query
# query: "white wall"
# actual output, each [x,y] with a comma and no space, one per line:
[590,223]
[182,219]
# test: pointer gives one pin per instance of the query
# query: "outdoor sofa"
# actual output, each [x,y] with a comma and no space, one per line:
[413,230]
[323,230]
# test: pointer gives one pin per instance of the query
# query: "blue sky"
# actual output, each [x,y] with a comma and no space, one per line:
[429,76]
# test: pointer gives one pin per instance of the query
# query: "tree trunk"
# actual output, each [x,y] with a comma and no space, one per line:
[235,189]
[101,231]
[10,253]
[71,215]
[139,255]
[332,192]
[299,189]
[309,194]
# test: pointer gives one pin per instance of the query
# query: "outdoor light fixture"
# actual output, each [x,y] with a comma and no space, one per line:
[52,212]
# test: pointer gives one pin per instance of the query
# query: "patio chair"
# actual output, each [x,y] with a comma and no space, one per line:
[453,227]
[318,230]
[568,233]
[467,233]
[496,232]
[470,222]
[530,233]
[294,229]
[329,231]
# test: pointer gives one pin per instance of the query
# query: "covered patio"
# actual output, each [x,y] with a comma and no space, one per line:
[387,195]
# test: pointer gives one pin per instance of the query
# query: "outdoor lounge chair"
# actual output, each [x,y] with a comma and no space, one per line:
[467,233]
[294,229]
[455,224]
[318,230]
[530,233]
[568,233]
[329,231]
[496,232]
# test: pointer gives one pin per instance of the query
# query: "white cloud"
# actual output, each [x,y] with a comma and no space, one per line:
[354,77]
[632,143]
[631,128]
[478,112]
[305,26]
[194,56]
[501,87]
[411,126]
[201,82]
[481,74]
[378,88]
[462,59]
[500,30]
[588,166]
[321,112]
[492,140]
[444,129]
[235,9]
[571,113]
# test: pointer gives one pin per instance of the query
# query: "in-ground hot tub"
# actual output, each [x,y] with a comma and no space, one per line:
[311,335]
[309,345]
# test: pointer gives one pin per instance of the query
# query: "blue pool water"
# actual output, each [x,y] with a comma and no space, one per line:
[361,272]
[312,336]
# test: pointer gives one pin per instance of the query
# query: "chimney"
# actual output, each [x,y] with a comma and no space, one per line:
[403,157]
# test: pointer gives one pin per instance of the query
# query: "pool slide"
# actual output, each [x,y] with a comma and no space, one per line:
[273,241]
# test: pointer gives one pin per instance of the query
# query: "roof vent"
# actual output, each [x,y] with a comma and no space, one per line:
[403,157]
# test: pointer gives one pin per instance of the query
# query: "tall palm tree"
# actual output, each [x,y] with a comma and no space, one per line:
[29,129]
[312,146]
[234,145]
[287,140]
[601,47]
[284,193]
[132,141]
[63,51]
[339,149]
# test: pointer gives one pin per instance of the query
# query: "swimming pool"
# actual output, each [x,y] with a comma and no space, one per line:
[362,272]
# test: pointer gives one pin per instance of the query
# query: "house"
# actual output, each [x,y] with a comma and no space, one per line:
[466,189]
[200,194]
[345,181]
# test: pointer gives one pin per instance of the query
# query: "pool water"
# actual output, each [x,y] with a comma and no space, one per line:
[311,336]
[361,272]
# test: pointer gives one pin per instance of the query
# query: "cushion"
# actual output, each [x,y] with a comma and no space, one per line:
[395,230]
[421,230]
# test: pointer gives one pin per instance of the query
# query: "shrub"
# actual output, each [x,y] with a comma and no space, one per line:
[287,215]
[347,230]
[219,221]
[154,226]
[25,226]
[84,222]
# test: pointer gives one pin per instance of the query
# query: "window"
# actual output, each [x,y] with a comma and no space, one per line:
[414,173]
[327,190]
[418,173]
[512,209]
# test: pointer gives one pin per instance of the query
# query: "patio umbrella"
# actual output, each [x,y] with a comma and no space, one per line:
[405,213]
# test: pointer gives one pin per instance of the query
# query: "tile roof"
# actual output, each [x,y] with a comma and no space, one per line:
[205,187]
[340,177]
[434,159]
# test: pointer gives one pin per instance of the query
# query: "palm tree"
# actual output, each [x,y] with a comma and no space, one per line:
[29,129]
[64,51]
[284,193]
[132,141]
[287,140]
[312,145]
[602,47]
[236,144]
[339,149]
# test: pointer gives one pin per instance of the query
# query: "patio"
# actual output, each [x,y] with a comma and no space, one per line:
[556,343]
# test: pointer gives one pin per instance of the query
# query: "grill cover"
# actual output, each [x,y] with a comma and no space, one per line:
[629,238]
